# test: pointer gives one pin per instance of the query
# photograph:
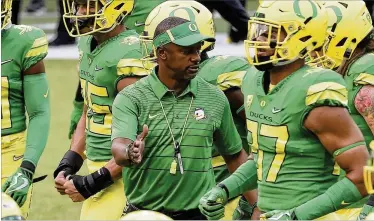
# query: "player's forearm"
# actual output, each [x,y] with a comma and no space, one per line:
[233,162]
[78,141]
[119,151]
[330,201]
[114,169]
[36,93]
[242,180]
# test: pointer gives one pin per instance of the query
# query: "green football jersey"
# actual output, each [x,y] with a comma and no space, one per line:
[292,165]
[21,47]
[136,20]
[100,71]
[226,72]
[360,73]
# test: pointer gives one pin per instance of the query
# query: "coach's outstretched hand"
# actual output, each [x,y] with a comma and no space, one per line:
[135,152]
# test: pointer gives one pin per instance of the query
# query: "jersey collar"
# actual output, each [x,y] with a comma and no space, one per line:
[160,89]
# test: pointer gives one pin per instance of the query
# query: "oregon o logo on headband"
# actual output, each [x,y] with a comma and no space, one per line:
[191,15]
[296,8]
[192,27]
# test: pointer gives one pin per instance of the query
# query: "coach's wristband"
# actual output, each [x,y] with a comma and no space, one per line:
[70,163]
[93,183]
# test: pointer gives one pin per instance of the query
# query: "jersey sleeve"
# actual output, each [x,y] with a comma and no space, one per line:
[37,46]
[125,118]
[328,89]
[229,80]
[233,72]
[362,71]
[131,65]
[228,138]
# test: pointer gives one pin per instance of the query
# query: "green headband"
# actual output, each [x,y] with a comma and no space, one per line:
[185,34]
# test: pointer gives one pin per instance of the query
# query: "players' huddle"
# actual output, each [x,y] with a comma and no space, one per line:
[168,132]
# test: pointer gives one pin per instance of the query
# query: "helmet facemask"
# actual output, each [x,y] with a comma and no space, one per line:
[6,13]
[100,16]
[280,39]
[148,50]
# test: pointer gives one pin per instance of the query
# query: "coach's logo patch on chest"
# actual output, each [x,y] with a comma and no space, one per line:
[249,101]
[199,114]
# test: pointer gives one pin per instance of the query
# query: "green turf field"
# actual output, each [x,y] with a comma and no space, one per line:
[46,202]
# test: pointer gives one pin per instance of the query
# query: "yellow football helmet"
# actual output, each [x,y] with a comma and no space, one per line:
[6,12]
[10,209]
[190,10]
[349,23]
[145,215]
[97,16]
[292,28]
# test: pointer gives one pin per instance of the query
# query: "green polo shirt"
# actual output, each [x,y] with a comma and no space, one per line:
[150,185]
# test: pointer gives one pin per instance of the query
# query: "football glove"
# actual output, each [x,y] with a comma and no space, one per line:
[244,210]
[279,215]
[365,211]
[18,184]
[75,116]
[212,204]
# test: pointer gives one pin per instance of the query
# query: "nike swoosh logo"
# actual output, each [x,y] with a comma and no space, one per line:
[153,116]
[23,185]
[46,94]
[7,61]
[98,69]
[15,158]
[275,110]
[139,24]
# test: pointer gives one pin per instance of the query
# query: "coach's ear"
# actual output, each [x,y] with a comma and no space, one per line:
[161,53]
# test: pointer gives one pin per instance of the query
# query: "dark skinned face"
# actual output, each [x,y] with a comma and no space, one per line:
[183,61]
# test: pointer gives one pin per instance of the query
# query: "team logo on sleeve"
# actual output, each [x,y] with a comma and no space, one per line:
[199,114]
[249,101]
[130,40]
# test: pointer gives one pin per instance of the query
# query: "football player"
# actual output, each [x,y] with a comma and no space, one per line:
[297,119]
[134,21]
[24,88]
[109,61]
[226,72]
[351,55]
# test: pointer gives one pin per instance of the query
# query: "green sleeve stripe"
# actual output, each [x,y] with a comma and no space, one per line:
[343,149]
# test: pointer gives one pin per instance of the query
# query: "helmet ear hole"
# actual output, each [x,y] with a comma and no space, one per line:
[341,42]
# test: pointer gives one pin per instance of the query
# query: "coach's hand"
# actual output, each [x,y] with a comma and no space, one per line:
[72,192]
[135,151]
[60,180]
[212,204]
[18,184]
